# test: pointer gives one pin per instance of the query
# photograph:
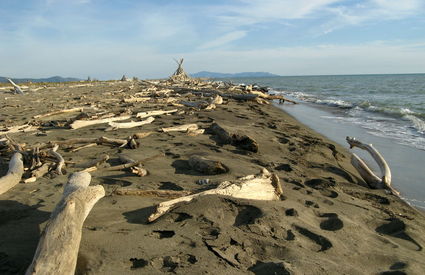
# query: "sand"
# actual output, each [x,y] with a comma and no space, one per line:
[328,222]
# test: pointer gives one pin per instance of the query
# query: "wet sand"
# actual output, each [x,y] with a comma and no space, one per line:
[329,221]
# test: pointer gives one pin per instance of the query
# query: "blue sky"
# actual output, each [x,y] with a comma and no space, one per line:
[106,39]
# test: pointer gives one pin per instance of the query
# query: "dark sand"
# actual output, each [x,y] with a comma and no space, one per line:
[328,223]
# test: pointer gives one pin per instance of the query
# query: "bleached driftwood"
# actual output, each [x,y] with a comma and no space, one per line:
[132,124]
[199,105]
[58,247]
[181,128]
[72,110]
[207,166]
[39,172]
[217,100]
[83,147]
[136,99]
[17,129]
[95,162]
[365,172]
[60,159]
[169,194]
[84,123]
[141,135]
[155,113]
[267,96]
[14,174]
[265,186]
[18,89]
[137,170]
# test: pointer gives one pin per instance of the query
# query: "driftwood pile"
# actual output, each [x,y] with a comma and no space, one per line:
[58,247]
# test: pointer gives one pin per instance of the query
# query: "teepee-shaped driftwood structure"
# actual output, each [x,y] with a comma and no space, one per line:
[179,74]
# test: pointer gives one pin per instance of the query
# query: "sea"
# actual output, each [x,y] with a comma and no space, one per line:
[385,110]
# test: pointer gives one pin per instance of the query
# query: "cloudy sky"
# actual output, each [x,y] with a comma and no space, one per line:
[105,39]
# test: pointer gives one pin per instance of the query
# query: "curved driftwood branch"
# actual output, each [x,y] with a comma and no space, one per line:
[126,125]
[18,89]
[366,172]
[84,123]
[58,247]
[61,161]
[262,187]
[14,174]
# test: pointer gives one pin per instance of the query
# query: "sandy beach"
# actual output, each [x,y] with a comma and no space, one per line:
[328,220]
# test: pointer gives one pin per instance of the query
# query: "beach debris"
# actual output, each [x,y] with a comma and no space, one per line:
[84,123]
[207,166]
[155,113]
[97,162]
[72,110]
[240,141]
[169,194]
[19,128]
[124,166]
[38,172]
[136,99]
[264,186]
[181,128]
[60,159]
[365,172]
[14,173]
[58,247]
[17,89]
[127,125]
[179,74]
[137,169]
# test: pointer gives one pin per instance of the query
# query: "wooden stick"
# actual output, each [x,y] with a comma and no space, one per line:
[126,125]
[83,147]
[155,113]
[61,161]
[181,128]
[39,172]
[138,170]
[58,247]
[261,187]
[59,112]
[14,174]
[129,165]
[169,194]
[84,123]
[18,89]
[95,162]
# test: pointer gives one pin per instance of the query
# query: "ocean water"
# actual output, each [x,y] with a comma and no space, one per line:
[385,110]
[390,106]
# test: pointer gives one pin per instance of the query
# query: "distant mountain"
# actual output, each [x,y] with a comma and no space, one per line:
[205,74]
[49,79]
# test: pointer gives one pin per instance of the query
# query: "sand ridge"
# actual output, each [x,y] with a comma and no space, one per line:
[328,222]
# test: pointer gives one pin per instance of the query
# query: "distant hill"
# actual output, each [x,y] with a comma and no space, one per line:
[49,79]
[205,74]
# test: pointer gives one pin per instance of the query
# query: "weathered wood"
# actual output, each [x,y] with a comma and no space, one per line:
[262,187]
[17,129]
[366,172]
[95,162]
[77,124]
[223,136]
[132,124]
[141,135]
[39,172]
[14,173]
[99,140]
[181,128]
[241,141]
[137,170]
[58,247]
[18,89]
[169,194]
[155,113]
[72,110]
[207,166]
[60,159]
[136,99]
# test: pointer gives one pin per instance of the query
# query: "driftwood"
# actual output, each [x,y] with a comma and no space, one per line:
[169,194]
[241,141]
[365,172]
[17,129]
[136,99]
[60,160]
[132,124]
[99,140]
[38,173]
[59,112]
[58,247]
[124,166]
[95,162]
[84,123]
[141,135]
[262,187]
[155,113]
[14,174]
[207,166]
[199,105]
[18,89]
[137,170]
[181,128]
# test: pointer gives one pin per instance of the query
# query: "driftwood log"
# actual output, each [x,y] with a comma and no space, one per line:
[207,166]
[84,123]
[241,141]
[58,247]
[365,172]
[265,186]
[132,124]
[137,170]
[155,113]
[181,128]
[14,174]
[17,89]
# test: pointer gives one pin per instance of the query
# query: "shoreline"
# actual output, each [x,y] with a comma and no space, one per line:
[327,216]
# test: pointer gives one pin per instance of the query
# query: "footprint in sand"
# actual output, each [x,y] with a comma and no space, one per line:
[396,228]
[331,222]
[320,240]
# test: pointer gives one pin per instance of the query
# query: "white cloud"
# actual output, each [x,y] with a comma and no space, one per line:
[223,40]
